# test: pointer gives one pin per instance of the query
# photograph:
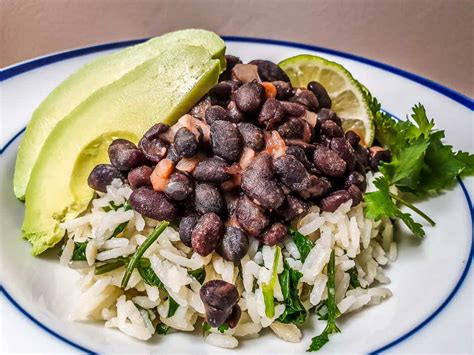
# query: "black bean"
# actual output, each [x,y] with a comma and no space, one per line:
[307,147]
[344,149]
[356,194]
[179,187]
[325,114]
[234,317]
[258,183]
[208,198]
[212,170]
[185,143]
[153,204]
[222,90]
[269,71]
[378,155]
[293,109]
[234,114]
[284,89]
[317,187]
[293,128]
[292,207]
[329,162]
[334,200]
[271,114]
[124,155]
[292,173]
[252,136]
[139,177]
[321,94]
[362,158]
[154,149]
[234,84]
[215,113]
[274,234]
[219,294]
[216,317]
[249,97]
[206,234]
[357,179]
[250,217]
[122,144]
[234,244]
[226,140]
[305,98]
[172,154]
[199,110]
[155,131]
[231,198]
[330,129]
[102,176]
[353,138]
[231,61]
[186,226]
[300,154]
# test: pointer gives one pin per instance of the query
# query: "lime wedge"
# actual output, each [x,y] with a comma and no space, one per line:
[348,99]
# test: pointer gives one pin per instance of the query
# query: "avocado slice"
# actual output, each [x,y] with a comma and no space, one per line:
[91,77]
[160,90]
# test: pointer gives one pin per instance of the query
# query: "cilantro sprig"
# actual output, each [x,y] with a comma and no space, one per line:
[421,164]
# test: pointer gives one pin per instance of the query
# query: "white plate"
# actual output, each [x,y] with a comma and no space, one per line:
[431,309]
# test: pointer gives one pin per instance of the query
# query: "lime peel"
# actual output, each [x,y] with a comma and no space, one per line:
[348,97]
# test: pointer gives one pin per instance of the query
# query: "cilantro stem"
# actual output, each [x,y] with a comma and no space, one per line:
[413,208]
[141,250]
[267,289]
[112,265]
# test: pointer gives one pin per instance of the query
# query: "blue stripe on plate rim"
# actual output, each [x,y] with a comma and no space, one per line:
[18,69]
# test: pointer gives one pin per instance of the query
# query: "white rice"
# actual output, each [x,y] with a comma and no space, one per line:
[359,243]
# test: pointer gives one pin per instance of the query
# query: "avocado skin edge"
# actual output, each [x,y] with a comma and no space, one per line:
[50,198]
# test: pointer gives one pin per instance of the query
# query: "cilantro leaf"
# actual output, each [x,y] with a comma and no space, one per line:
[294,310]
[206,327]
[173,307]
[419,116]
[303,244]
[79,253]
[162,329]
[421,163]
[354,277]
[441,166]
[149,277]
[222,328]
[468,161]
[379,204]
[198,274]
[405,167]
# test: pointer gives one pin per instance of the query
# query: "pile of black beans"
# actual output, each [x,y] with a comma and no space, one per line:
[255,154]
[296,154]
[222,199]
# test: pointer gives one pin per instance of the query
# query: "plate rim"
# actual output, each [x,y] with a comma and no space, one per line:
[26,66]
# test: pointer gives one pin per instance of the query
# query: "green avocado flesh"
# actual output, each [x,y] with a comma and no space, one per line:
[91,77]
[159,90]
